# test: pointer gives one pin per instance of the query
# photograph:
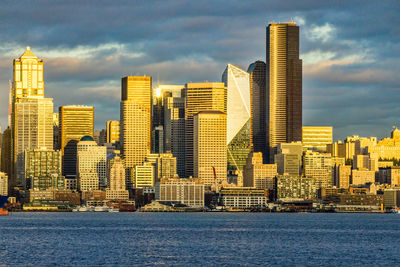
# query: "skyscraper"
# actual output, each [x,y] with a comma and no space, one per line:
[200,97]
[112,129]
[237,82]
[174,130]
[135,119]
[33,128]
[210,146]
[284,83]
[258,104]
[75,122]
[30,113]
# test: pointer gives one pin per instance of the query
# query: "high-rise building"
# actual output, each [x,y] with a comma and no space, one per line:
[112,129]
[28,76]
[258,104]
[200,97]
[237,82]
[135,120]
[284,84]
[3,184]
[144,175]
[288,158]
[6,152]
[100,136]
[210,147]
[174,130]
[342,176]
[318,166]
[42,167]
[75,122]
[160,94]
[164,165]
[29,116]
[91,165]
[316,137]
[56,131]
[259,175]
[116,188]
[33,128]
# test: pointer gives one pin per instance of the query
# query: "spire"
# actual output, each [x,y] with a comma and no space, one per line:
[28,53]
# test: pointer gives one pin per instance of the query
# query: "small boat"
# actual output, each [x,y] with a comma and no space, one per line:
[395,211]
[112,209]
[100,208]
[85,208]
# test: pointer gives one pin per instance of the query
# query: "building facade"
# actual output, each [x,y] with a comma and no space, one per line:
[181,190]
[112,130]
[284,84]
[136,105]
[75,122]
[237,82]
[259,175]
[91,165]
[210,147]
[200,97]
[316,137]
[116,188]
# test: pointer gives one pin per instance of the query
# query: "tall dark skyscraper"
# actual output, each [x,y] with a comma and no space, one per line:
[258,104]
[284,85]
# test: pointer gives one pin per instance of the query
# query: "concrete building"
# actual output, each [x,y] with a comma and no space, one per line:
[284,85]
[28,119]
[91,165]
[368,162]
[112,131]
[182,190]
[174,130]
[318,166]
[237,82]
[164,165]
[361,177]
[75,122]
[258,104]
[3,184]
[43,168]
[210,146]
[295,188]
[33,128]
[342,175]
[316,137]
[116,188]
[259,175]
[200,97]
[144,176]
[343,150]
[391,198]
[136,105]
[243,197]
[288,158]
[100,136]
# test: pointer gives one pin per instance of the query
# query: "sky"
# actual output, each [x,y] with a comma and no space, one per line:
[350,52]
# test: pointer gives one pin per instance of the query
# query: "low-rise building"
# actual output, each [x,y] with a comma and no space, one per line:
[181,190]
[391,198]
[295,187]
[243,197]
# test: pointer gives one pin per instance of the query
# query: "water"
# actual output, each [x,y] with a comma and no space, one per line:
[193,239]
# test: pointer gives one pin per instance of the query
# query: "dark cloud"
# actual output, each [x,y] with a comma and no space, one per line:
[350,51]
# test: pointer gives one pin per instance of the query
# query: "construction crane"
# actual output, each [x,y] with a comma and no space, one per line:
[215,180]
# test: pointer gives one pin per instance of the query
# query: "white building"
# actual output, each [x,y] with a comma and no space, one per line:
[91,165]
[181,190]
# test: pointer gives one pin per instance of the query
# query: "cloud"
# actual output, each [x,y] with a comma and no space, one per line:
[349,52]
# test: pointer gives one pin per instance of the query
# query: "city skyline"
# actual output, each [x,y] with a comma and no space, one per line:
[351,59]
